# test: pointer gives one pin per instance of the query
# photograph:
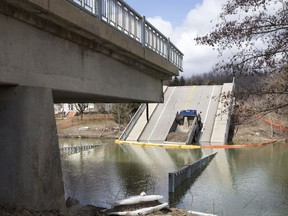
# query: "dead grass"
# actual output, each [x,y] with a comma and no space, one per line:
[97,126]
[255,130]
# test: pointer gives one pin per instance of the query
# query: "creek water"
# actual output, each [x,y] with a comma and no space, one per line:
[251,181]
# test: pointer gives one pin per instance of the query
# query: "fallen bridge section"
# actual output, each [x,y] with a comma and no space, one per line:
[222,121]
[213,103]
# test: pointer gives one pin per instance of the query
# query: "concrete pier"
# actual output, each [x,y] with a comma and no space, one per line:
[30,166]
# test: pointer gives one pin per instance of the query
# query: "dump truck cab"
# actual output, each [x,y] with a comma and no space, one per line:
[186,127]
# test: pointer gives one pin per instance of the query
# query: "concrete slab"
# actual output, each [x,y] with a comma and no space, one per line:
[211,101]
[202,98]
[142,121]
[222,120]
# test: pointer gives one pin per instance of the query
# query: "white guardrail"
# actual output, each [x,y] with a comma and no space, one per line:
[121,16]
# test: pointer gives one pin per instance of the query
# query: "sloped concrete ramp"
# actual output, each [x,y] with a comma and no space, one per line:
[208,100]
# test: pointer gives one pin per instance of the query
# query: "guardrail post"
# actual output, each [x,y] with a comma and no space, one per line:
[143,32]
[171,183]
[147,112]
[98,8]
[108,8]
[168,49]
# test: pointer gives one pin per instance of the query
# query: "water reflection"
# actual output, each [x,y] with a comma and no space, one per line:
[242,182]
[237,181]
[111,172]
[261,176]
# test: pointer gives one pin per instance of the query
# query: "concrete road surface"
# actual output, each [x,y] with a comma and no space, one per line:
[202,98]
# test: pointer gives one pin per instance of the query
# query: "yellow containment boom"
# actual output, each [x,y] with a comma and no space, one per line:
[184,146]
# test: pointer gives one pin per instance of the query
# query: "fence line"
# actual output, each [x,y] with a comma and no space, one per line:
[121,16]
[275,123]
[76,149]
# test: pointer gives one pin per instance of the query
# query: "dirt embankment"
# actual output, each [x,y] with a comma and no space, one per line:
[91,126]
[84,211]
[260,129]
[74,208]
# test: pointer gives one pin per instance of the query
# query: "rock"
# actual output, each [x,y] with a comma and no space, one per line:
[90,210]
[71,202]
[84,128]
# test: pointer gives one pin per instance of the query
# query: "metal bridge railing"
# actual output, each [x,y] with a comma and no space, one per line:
[75,149]
[179,176]
[133,122]
[121,16]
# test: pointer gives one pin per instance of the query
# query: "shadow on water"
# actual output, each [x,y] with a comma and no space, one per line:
[148,167]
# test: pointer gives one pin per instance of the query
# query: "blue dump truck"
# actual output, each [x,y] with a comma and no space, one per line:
[186,127]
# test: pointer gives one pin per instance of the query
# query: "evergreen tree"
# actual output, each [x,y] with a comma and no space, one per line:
[175,81]
[182,81]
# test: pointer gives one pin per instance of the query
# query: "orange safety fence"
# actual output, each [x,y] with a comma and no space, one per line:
[70,114]
[277,124]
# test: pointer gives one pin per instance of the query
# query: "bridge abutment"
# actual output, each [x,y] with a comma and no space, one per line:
[30,165]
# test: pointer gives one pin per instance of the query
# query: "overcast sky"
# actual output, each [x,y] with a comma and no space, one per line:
[182,21]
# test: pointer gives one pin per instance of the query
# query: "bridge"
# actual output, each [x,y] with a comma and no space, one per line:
[67,51]
[152,123]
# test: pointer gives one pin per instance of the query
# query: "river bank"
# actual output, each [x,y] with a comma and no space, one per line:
[91,126]
[78,210]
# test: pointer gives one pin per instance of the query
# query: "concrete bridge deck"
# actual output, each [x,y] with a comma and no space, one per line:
[205,99]
[82,56]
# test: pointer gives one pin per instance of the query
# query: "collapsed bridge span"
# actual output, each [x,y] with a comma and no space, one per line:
[154,123]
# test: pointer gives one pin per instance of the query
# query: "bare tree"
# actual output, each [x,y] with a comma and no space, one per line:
[210,78]
[123,112]
[258,29]
[81,107]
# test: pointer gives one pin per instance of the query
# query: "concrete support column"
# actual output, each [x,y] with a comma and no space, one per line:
[30,166]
